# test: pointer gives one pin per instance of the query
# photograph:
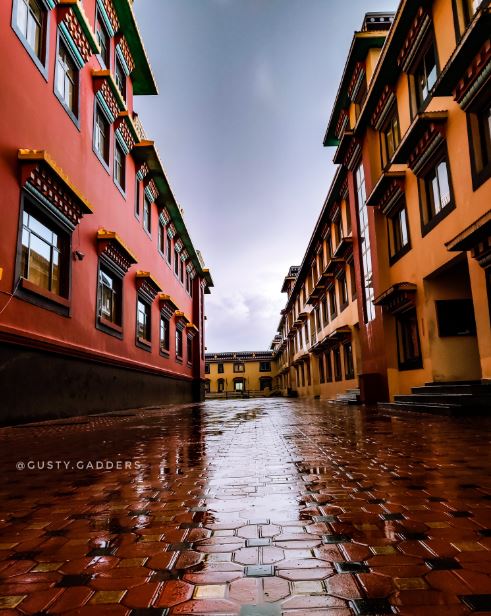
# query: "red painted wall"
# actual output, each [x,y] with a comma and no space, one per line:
[32,117]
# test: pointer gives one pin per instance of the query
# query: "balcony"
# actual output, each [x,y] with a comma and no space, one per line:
[344,247]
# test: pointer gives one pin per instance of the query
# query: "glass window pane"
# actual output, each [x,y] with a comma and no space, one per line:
[39,262]
[443,183]
[22,12]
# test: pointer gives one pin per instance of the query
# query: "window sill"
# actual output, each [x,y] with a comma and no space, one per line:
[100,158]
[143,343]
[178,359]
[164,352]
[398,255]
[69,111]
[431,224]
[27,285]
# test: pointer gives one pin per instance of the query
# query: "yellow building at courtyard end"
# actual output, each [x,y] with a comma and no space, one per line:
[240,374]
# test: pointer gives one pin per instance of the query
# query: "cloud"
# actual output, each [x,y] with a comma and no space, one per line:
[263,83]
[235,319]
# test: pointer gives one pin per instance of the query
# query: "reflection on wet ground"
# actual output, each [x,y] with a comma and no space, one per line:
[246,507]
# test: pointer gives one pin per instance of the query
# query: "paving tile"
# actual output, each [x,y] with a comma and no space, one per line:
[239,510]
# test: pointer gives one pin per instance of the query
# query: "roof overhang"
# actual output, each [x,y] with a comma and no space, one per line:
[361,44]
[425,123]
[398,297]
[142,76]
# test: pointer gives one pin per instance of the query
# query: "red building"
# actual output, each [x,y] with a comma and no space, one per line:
[101,289]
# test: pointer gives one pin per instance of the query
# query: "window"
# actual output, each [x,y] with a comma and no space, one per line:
[161,237]
[45,249]
[137,198]
[66,80]
[436,195]
[176,261]
[349,368]
[318,319]
[464,11]
[220,386]
[239,367]
[101,136]
[265,382]
[455,317]
[189,350]
[181,270]
[325,311]
[338,231]
[265,366]
[322,376]
[332,301]
[179,343]
[168,252]
[119,166]
[207,368]
[343,292]
[360,96]
[120,77]
[110,297]
[104,41]
[425,74]
[338,375]
[239,385]
[143,322]
[164,334]
[398,232]
[408,347]
[351,267]
[480,137]
[327,357]
[347,210]
[207,386]
[365,249]
[147,215]
[220,368]
[30,24]
[390,137]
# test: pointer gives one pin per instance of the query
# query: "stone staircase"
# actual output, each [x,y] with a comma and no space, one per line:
[350,396]
[446,398]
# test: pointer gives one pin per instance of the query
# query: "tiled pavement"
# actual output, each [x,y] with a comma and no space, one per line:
[254,507]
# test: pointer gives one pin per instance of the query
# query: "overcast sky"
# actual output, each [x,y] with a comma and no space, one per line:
[246,90]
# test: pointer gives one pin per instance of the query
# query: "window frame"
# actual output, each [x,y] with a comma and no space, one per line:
[427,223]
[147,209]
[164,344]
[397,253]
[343,291]
[117,148]
[98,112]
[41,63]
[336,355]
[417,103]
[189,350]
[389,122]
[237,365]
[265,366]
[143,343]
[179,345]
[74,115]
[29,291]
[349,362]
[480,174]
[104,62]
[220,368]
[415,363]
[102,323]
[118,67]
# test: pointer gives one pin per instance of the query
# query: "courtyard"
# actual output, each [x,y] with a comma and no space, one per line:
[252,507]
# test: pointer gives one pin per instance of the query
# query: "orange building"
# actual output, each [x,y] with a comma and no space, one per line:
[411,124]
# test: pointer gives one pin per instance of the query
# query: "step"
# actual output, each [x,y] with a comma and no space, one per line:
[468,400]
[436,409]
[438,383]
[453,389]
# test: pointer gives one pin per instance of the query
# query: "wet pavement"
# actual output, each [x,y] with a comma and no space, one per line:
[252,507]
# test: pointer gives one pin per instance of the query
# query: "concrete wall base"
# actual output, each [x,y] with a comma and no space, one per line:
[38,385]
